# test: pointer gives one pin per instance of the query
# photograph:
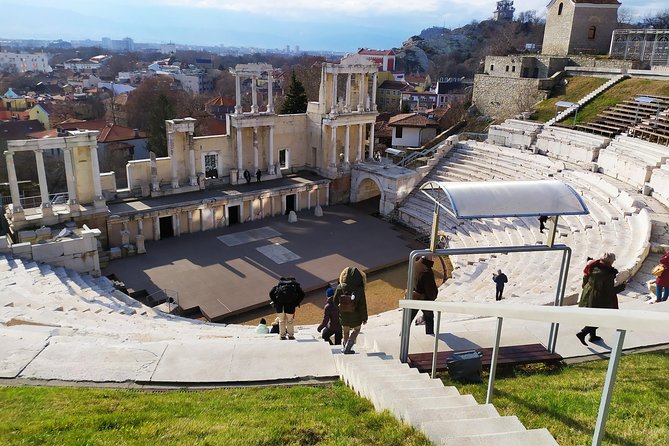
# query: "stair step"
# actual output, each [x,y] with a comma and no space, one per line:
[440,432]
[534,437]
[441,413]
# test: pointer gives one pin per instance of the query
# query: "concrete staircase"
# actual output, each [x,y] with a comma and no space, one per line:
[441,413]
[587,98]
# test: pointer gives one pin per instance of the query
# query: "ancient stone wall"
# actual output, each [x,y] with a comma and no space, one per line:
[557,34]
[502,97]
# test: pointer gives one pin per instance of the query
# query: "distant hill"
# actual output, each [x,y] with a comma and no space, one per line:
[458,52]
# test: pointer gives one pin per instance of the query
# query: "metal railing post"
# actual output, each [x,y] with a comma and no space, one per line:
[559,297]
[611,372]
[493,362]
[436,345]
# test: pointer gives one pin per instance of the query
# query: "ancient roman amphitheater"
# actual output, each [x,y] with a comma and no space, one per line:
[58,325]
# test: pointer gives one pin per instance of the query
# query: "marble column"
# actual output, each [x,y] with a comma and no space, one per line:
[173,161]
[13,183]
[176,224]
[347,108]
[371,141]
[255,150]
[95,168]
[69,177]
[238,95]
[254,94]
[192,177]
[156,228]
[270,96]
[333,110]
[190,222]
[240,164]
[358,156]
[41,176]
[361,92]
[374,81]
[347,141]
[270,157]
[140,226]
[333,149]
[308,199]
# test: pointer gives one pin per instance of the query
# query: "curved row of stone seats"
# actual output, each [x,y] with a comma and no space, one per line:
[631,160]
[440,412]
[659,183]
[615,222]
[514,133]
[570,145]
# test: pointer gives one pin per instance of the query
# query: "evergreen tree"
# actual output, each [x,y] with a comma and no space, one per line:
[296,99]
[161,110]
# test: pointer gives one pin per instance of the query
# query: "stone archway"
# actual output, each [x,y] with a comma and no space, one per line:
[367,189]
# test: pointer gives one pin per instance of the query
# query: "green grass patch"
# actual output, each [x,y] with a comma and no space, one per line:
[299,415]
[576,88]
[566,400]
[580,86]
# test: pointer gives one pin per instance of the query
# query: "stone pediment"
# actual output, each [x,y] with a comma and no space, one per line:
[356,60]
[252,69]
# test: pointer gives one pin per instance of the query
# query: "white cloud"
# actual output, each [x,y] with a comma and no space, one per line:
[306,8]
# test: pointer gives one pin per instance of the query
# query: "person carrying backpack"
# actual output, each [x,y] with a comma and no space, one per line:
[349,297]
[286,296]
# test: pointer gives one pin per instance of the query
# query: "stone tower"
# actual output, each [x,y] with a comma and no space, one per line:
[579,26]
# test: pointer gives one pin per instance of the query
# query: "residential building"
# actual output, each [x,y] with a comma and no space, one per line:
[450,90]
[412,130]
[42,112]
[22,62]
[418,101]
[384,59]
[389,94]
[220,106]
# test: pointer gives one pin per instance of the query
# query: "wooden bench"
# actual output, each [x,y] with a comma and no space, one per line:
[508,356]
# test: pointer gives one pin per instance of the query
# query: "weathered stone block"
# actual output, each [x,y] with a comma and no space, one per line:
[73,246]
[27,236]
[292,217]
[318,211]
[115,253]
[43,251]
[23,250]
[139,240]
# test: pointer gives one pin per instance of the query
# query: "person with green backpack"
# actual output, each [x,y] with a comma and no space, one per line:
[350,298]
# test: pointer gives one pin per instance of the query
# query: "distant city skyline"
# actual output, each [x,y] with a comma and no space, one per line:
[336,25]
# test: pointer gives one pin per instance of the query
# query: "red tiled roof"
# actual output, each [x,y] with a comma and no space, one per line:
[208,126]
[395,85]
[221,101]
[368,52]
[51,133]
[19,129]
[412,120]
[115,133]
[382,130]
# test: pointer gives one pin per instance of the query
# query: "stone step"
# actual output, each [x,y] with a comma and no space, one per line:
[446,411]
[534,437]
[441,432]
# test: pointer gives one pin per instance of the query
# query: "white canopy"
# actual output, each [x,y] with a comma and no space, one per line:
[499,199]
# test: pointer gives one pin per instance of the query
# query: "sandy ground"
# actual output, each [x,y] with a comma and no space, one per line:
[384,289]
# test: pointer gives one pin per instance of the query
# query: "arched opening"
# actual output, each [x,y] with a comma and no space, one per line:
[560,9]
[368,196]
[591,32]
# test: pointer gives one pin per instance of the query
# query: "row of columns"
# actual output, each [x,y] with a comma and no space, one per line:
[347,140]
[43,185]
[361,87]
[256,152]
[254,93]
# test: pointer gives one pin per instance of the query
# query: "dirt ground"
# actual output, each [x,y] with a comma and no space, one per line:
[384,289]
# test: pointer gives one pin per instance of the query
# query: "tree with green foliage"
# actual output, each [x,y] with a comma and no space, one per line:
[161,110]
[296,99]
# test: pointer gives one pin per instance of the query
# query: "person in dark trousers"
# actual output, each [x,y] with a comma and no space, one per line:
[662,281]
[349,297]
[330,325]
[425,288]
[286,296]
[500,279]
[599,290]
[247,176]
[258,175]
[542,223]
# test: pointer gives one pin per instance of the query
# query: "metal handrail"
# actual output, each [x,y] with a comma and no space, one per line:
[607,318]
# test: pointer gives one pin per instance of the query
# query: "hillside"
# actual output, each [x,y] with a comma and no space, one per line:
[458,52]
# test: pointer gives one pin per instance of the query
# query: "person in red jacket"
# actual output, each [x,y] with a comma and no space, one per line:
[662,281]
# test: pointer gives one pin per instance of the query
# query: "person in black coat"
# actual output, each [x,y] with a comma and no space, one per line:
[286,296]
[425,288]
[330,324]
[247,176]
[258,175]
[500,279]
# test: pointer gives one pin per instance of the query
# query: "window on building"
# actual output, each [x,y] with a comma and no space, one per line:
[284,158]
[513,69]
[560,9]
[507,68]
[211,166]
[591,32]
[398,132]
[492,67]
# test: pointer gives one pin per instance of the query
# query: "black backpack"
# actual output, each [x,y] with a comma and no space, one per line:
[289,292]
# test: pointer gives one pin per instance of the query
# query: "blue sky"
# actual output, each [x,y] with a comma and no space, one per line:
[339,25]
